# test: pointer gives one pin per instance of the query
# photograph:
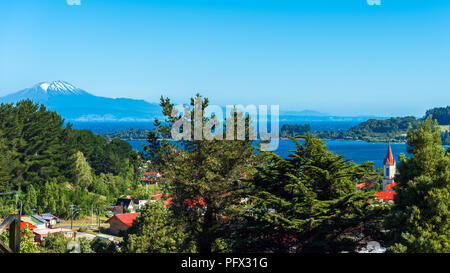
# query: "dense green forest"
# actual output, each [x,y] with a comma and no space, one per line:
[53,166]
[373,130]
[131,134]
[295,130]
[441,114]
[393,129]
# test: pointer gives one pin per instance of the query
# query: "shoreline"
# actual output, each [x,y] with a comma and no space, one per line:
[324,139]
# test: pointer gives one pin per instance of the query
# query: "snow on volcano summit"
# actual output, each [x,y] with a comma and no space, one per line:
[60,88]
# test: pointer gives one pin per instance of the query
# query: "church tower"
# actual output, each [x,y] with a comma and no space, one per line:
[389,168]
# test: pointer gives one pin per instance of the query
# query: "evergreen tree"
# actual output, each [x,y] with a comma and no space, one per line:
[308,203]
[419,221]
[204,177]
[30,203]
[155,230]
[83,170]
[38,149]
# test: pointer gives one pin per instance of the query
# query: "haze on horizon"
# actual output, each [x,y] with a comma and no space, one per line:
[337,57]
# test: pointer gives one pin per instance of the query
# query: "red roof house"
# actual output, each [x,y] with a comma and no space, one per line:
[121,222]
[386,196]
[26,224]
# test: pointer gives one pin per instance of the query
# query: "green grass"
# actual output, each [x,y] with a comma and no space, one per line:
[85,221]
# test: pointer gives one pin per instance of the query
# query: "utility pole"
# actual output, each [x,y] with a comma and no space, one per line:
[15,208]
[98,217]
[71,216]
[92,212]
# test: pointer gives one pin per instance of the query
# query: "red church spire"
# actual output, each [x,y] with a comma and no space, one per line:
[389,160]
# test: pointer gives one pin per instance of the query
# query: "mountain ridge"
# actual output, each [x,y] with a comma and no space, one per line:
[76,104]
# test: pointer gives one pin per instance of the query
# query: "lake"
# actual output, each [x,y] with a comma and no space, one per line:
[358,151]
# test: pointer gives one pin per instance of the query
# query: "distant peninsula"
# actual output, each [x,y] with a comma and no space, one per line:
[374,130]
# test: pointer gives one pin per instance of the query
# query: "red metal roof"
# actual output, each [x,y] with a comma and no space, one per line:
[362,185]
[158,196]
[26,224]
[168,202]
[390,187]
[389,160]
[385,195]
[126,218]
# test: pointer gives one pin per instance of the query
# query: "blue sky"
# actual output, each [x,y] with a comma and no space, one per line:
[340,57]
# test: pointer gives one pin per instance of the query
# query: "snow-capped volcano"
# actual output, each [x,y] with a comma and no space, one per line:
[60,88]
[74,103]
[41,92]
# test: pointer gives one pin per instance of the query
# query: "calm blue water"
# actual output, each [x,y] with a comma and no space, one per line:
[108,127]
[358,151]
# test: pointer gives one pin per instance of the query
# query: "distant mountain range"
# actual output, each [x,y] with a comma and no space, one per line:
[75,104]
[305,113]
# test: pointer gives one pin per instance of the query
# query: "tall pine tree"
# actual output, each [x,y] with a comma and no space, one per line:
[419,222]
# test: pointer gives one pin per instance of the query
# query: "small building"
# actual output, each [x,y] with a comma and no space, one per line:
[45,220]
[385,196]
[40,234]
[39,222]
[52,220]
[128,204]
[121,222]
[26,224]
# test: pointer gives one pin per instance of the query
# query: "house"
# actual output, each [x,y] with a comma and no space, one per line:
[128,203]
[385,196]
[125,204]
[45,220]
[40,234]
[26,224]
[38,221]
[140,203]
[121,222]
[52,220]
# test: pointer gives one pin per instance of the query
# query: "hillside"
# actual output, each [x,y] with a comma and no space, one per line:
[53,165]
[374,130]
[441,114]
